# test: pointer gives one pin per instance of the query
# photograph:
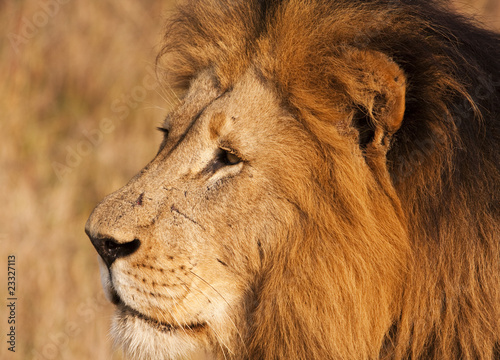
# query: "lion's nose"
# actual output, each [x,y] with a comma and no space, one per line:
[110,249]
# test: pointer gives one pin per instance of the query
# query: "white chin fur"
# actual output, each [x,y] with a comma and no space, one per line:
[142,342]
[105,279]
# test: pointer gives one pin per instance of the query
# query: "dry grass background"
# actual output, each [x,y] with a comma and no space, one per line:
[78,110]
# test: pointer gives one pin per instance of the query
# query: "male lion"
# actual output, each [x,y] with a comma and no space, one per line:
[328,188]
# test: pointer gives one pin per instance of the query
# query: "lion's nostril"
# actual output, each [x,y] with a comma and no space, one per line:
[110,249]
[122,250]
[109,244]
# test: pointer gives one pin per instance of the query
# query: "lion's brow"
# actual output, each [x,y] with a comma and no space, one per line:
[184,134]
[216,124]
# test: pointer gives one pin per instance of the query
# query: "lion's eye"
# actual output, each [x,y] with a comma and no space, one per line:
[164,131]
[226,157]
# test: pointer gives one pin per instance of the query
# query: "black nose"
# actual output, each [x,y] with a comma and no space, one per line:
[110,249]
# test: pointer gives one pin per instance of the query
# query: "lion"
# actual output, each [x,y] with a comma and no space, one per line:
[327,188]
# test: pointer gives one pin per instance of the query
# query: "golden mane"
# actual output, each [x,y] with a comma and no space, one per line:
[439,208]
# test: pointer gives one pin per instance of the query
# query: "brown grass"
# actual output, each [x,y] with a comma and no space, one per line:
[67,68]
[59,84]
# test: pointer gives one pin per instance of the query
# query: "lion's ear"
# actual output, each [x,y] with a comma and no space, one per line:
[377,88]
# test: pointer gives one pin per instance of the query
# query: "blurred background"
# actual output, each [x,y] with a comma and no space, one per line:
[78,106]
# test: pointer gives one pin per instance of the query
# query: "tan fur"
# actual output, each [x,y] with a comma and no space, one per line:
[362,220]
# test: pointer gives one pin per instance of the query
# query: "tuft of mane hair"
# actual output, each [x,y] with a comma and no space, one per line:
[443,161]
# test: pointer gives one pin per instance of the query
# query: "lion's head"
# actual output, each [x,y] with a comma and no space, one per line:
[287,215]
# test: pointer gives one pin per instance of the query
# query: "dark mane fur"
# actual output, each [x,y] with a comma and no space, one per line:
[443,161]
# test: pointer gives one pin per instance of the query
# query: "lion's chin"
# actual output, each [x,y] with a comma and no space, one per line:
[142,337]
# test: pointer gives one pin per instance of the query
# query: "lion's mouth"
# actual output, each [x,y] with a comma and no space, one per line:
[126,310]
[158,325]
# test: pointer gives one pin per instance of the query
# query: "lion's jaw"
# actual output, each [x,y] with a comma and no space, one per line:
[187,285]
[144,337]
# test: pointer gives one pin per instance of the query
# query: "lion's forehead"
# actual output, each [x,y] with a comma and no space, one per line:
[248,110]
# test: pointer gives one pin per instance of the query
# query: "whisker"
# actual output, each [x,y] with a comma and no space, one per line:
[175,305]
[195,287]
[229,305]
[162,84]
